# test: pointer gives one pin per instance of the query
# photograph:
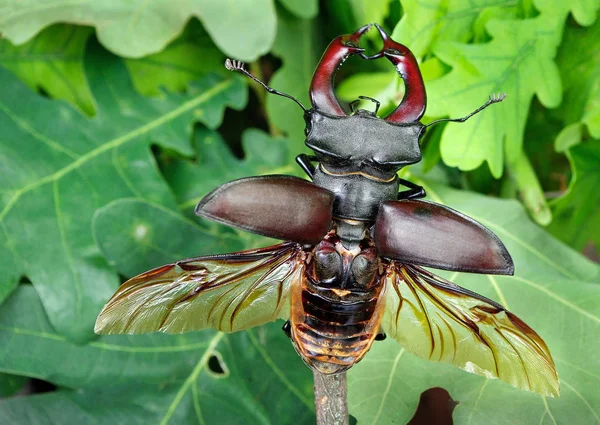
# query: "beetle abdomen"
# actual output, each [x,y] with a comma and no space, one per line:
[333,329]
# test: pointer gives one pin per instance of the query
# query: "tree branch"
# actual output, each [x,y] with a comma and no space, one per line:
[331,399]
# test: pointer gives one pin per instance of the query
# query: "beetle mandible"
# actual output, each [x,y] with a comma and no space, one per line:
[351,267]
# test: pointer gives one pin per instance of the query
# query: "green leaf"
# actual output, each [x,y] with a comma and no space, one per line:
[353,14]
[577,212]
[243,29]
[517,61]
[11,384]
[74,165]
[136,235]
[568,137]
[215,164]
[191,56]
[530,190]
[552,291]
[299,50]
[53,61]
[579,64]
[426,23]
[305,9]
[159,379]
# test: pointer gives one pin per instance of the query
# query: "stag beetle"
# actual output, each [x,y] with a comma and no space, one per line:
[351,267]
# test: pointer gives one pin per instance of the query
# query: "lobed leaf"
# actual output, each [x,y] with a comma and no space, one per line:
[215,164]
[73,165]
[53,62]
[243,29]
[191,56]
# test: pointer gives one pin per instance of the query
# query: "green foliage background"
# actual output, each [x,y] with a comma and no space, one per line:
[117,117]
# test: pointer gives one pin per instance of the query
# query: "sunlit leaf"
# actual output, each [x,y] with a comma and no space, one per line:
[517,61]
[428,22]
[243,29]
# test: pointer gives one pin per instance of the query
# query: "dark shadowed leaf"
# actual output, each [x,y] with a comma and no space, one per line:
[299,50]
[435,408]
[11,384]
[579,65]
[577,212]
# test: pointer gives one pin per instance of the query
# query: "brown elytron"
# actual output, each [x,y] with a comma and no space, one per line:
[350,269]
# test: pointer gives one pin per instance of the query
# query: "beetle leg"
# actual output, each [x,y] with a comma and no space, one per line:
[322,95]
[287,329]
[381,336]
[415,191]
[305,162]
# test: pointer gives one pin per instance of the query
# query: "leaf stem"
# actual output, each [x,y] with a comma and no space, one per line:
[530,189]
[331,399]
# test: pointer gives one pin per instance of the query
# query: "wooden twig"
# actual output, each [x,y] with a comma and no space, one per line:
[331,399]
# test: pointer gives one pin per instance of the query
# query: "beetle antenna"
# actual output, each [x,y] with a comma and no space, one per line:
[494,98]
[239,66]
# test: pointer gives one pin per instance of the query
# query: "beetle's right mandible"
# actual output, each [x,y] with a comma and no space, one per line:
[413,104]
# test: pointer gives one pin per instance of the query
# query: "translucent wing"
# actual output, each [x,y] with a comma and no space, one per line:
[440,321]
[228,292]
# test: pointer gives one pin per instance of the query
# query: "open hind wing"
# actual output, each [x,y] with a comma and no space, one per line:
[227,292]
[440,321]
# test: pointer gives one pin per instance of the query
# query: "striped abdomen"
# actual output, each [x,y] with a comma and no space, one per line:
[334,321]
[332,334]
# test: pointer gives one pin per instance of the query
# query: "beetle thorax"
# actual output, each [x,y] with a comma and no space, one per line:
[362,140]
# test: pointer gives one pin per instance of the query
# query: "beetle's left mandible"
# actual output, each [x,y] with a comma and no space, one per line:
[321,92]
